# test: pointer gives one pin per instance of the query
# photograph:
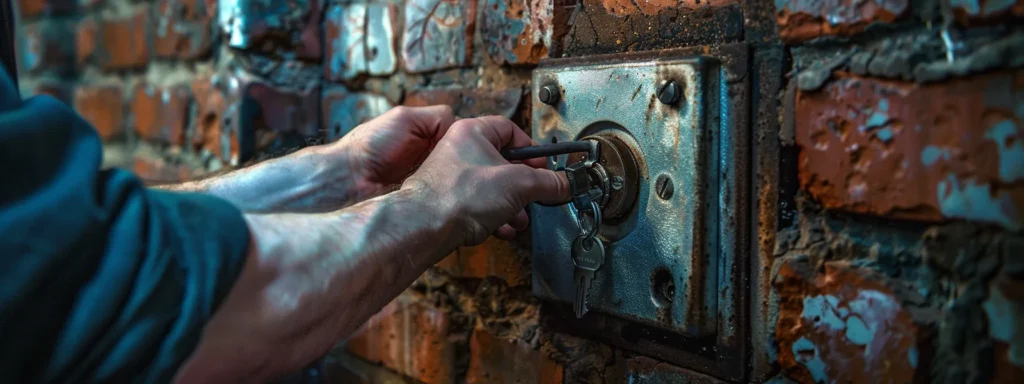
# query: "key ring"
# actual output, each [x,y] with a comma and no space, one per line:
[588,234]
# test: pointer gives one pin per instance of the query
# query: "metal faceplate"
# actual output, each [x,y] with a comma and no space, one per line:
[662,264]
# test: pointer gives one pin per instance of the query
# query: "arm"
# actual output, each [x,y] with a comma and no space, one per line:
[103,279]
[313,279]
[371,160]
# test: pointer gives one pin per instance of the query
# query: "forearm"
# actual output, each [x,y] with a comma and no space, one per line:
[301,182]
[311,280]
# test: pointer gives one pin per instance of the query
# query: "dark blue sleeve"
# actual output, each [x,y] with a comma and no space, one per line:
[101,279]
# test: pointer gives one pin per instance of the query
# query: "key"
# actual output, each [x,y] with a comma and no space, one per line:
[587,255]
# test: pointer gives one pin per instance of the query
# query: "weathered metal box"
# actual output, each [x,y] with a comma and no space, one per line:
[671,250]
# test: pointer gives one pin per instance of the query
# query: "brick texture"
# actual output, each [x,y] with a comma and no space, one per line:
[888,165]
[161,113]
[124,43]
[493,360]
[103,106]
[843,322]
[412,338]
[949,150]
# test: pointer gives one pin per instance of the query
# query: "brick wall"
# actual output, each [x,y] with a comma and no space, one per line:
[888,161]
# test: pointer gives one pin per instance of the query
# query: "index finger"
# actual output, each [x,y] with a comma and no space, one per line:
[508,135]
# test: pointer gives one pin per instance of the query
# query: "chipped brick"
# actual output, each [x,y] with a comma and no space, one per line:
[124,43]
[36,8]
[438,34]
[469,102]
[360,40]
[184,28]
[344,110]
[215,127]
[161,113]
[44,47]
[922,152]
[517,31]
[267,25]
[494,258]
[495,360]
[843,323]
[804,20]
[103,107]
[409,337]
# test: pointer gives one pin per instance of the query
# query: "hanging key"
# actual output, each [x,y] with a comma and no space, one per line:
[587,255]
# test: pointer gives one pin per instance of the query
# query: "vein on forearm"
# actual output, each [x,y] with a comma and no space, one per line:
[354,260]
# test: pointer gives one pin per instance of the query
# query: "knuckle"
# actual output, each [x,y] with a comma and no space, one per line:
[401,111]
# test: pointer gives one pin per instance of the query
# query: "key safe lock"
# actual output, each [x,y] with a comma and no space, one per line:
[673,171]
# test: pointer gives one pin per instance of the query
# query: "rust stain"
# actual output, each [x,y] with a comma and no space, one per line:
[918,152]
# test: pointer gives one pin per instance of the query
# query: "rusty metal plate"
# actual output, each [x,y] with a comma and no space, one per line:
[663,259]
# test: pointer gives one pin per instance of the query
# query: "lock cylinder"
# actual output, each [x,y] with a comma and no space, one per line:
[620,178]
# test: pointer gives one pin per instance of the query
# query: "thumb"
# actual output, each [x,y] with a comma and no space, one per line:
[549,187]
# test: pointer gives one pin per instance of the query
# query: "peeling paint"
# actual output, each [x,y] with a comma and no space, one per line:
[807,354]
[438,34]
[1005,324]
[966,199]
[800,20]
[1009,141]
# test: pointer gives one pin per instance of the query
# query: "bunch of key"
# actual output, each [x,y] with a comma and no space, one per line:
[587,250]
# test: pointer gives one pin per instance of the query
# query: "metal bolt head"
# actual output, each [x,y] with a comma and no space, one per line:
[617,182]
[668,91]
[548,94]
[663,187]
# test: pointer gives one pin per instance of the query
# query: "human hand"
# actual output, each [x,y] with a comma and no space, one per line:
[479,191]
[382,152]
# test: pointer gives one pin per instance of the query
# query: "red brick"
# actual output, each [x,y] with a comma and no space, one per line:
[161,113]
[155,171]
[35,8]
[408,337]
[124,43]
[360,39]
[103,106]
[344,110]
[45,47]
[843,323]
[85,41]
[438,34]
[923,152]
[269,25]
[213,129]
[469,102]
[804,20]
[497,258]
[184,28]
[495,360]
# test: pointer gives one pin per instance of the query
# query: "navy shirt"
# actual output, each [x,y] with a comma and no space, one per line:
[101,279]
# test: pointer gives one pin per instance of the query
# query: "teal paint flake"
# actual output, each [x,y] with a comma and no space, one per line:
[912,356]
[1004,324]
[884,134]
[501,34]
[814,364]
[932,154]
[971,201]
[1011,155]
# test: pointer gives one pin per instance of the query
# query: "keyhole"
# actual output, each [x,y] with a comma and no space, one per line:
[663,288]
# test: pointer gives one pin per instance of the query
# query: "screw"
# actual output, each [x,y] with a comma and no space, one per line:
[617,182]
[663,186]
[668,91]
[548,94]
